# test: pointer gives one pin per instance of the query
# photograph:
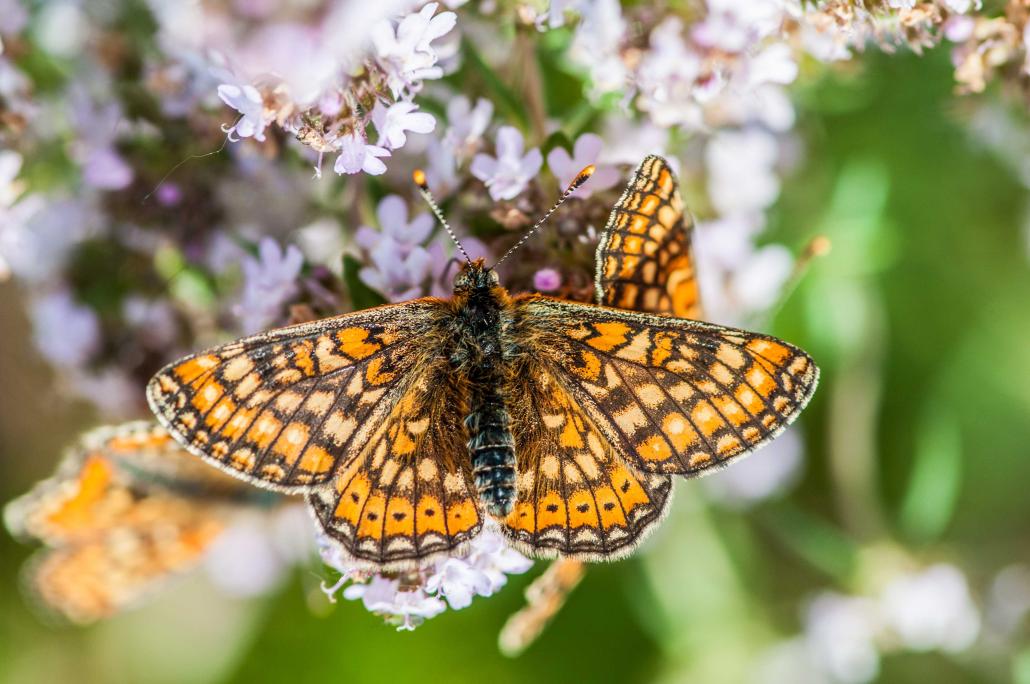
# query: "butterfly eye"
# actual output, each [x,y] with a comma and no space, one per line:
[493,277]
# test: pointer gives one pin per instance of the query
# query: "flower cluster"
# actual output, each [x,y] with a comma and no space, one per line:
[407,598]
[293,77]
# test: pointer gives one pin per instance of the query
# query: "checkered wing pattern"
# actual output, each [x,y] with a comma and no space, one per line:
[644,259]
[408,495]
[282,409]
[669,395]
[575,497]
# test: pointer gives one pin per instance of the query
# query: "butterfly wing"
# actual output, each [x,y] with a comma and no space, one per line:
[670,395]
[645,259]
[409,495]
[283,409]
[109,573]
[115,521]
[574,496]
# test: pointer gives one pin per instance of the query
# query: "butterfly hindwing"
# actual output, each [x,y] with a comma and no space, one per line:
[574,497]
[644,258]
[281,409]
[670,395]
[408,495]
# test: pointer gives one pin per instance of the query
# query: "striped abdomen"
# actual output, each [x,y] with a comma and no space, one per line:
[493,453]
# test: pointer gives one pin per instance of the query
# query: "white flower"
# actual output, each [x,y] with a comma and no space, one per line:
[66,333]
[962,6]
[734,26]
[356,155]
[668,78]
[840,634]
[507,174]
[407,609]
[405,53]
[246,100]
[596,43]
[742,170]
[585,151]
[932,609]
[392,122]
[269,282]
[736,278]
[467,124]
[398,264]
[627,141]
[554,16]
[481,570]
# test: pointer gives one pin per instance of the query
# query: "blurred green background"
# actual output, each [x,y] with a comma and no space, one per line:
[917,448]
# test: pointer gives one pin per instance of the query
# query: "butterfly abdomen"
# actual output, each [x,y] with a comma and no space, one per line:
[492,450]
[478,356]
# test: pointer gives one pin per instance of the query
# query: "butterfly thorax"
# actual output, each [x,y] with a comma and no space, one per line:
[480,305]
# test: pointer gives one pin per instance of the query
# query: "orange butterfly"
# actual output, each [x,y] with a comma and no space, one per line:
[407,425]
[127,509]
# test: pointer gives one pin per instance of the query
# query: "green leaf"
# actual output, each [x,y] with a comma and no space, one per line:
[819,543]
[361,295]
[936,479]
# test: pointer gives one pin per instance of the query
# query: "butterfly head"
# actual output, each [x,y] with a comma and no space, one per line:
[475,276]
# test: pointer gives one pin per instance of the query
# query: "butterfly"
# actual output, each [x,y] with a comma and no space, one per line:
[127,510]
[409,426]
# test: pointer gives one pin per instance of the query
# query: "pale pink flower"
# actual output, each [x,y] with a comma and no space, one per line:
[585,151]
[546,280]
[507,174]
[405,52]
[356,155]
[246,100]
[394,121]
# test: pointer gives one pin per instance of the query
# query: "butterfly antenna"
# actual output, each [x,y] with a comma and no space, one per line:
[419,177]
[579,180]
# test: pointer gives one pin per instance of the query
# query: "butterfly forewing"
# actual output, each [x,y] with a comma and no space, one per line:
[283,408]
[408,495]
[670,395]
[644,258]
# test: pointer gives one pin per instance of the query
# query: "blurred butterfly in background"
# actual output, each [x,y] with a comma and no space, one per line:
[127,510]
[407,426]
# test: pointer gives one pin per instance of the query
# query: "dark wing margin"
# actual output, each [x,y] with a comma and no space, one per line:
[408,496]
[282,409]
[671,395]
[575,498]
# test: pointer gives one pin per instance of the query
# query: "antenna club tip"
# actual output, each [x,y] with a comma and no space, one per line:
[582,177]
[419,176]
